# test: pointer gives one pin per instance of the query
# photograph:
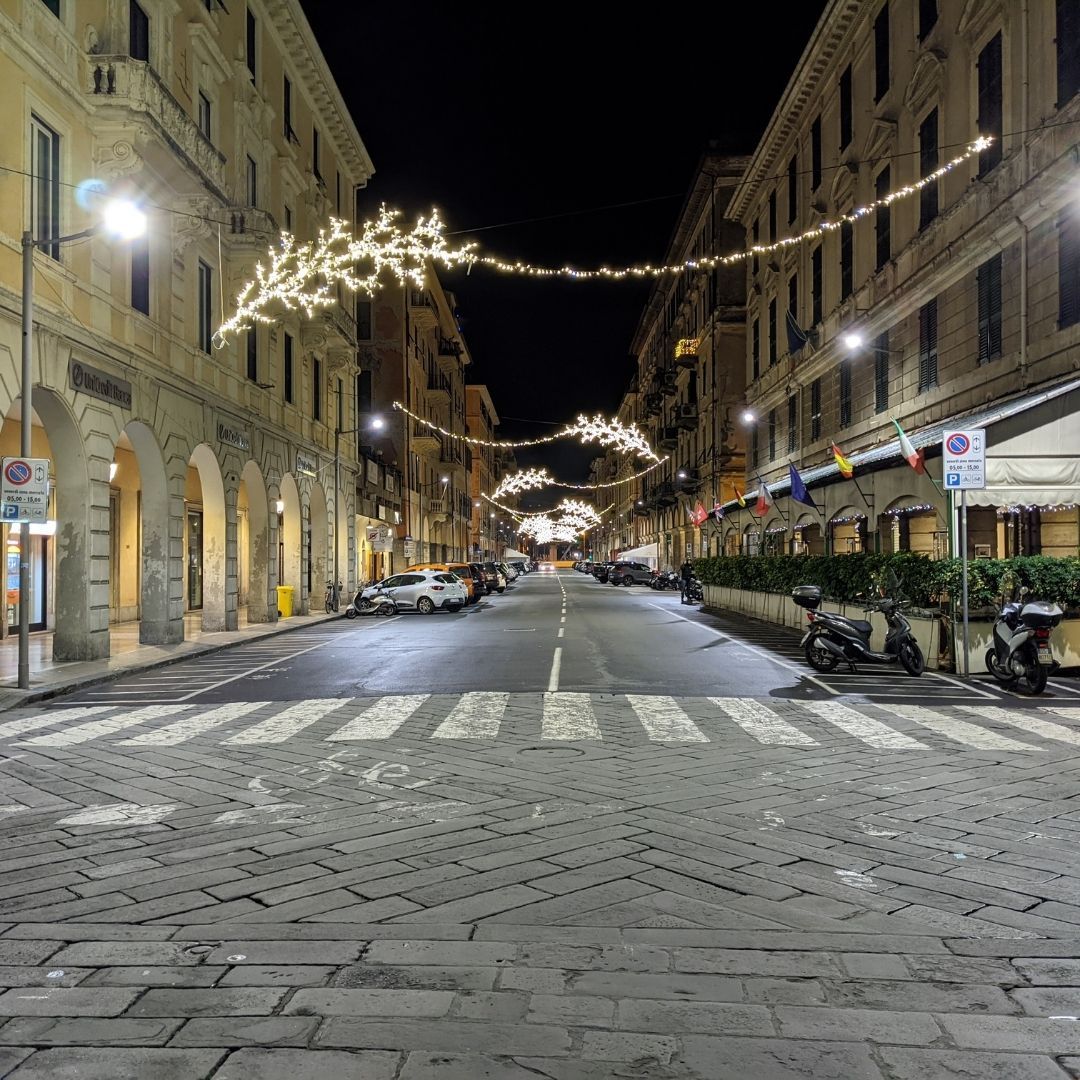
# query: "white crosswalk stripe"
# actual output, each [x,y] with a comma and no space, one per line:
[191,726]
[285,724]
[73,736]
[1025,721]
[382,719]
[568,716]
[50,718]
[864,728]
[475,716]
[761,723]
[959,730]
[663,720]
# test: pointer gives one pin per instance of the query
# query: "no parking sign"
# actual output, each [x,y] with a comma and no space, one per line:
[24,489]
[963,456]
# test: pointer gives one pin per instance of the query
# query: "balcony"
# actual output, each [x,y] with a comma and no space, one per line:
[654,403]
[690,482]
[438,389]
[448,355]
[644,510]
[452,458]
[126,91]
[330,328]
[425,440]
[668,386]
[422,309]
[686,352]
[250,228]
[686,417]
[668,438]
[666,495]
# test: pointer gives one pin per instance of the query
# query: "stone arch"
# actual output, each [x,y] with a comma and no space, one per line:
[290,538]
[319,538]
[158,625]
[847,536]
[206,553]
[260,605]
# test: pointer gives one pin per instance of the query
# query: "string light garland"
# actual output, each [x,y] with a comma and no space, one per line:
[530,479]
[305,275]
[917,508]
[624,438]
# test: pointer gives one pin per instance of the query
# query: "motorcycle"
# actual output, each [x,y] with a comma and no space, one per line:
[694,593]
[664,579]
[381,602]
[831,638]
[1021,647]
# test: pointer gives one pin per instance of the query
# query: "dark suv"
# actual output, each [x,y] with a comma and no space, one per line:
[629,573]
[601,572]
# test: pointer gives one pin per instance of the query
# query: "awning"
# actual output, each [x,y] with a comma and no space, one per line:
[515,556]
[649,551]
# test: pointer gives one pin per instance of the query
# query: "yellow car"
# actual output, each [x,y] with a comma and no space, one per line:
[475,589]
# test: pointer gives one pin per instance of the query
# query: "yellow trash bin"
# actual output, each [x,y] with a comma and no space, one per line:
[284,601]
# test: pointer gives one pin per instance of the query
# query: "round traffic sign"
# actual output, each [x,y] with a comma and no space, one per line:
[958,443]
[17,473]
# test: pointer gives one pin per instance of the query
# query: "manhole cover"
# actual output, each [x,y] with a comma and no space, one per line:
[552,751]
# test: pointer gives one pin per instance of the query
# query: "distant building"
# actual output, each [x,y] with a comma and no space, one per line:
[963,299]
[481,421]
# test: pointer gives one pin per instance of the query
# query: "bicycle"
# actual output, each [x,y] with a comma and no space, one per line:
[333,596]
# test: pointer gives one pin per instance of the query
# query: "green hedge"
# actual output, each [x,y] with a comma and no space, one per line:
[925,582]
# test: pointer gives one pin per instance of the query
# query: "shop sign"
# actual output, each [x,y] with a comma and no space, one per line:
[410,550]
[85,379]
[234,437]
[305,466]
[372,472]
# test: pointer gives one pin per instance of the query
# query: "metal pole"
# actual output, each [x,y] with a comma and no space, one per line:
[337,515]
[26,391]
[964,565]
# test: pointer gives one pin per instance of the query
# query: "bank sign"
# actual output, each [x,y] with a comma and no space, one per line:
[85,379]
[963,457]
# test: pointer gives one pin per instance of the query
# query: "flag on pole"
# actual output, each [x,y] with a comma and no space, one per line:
[740,498]
[701,515]
[717,511]
[842,463]
[764,499]
[798,489]
[908,452]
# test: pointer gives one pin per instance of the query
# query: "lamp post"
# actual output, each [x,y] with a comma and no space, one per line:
[124,220]
[376,423]
[441,482]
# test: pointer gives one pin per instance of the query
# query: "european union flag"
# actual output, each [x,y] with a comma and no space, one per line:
[798,489]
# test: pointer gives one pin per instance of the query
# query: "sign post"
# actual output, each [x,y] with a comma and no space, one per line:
[963,455]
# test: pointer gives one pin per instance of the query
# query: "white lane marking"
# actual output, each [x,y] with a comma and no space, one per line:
[382,719]
[968,687]
[568,716]
[288,722]
[958,730]
[475,716]
[1025,721]
[556,665]
[50,719]
[1062,686]
[663,720]
[761,723]
[749,648]
[120,813]
[188,728]
[867,730]
[562,631]
[96,728]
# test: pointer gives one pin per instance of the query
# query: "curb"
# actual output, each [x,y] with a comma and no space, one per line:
[43,693]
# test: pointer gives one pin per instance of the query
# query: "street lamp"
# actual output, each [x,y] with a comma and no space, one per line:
[124,220]
[375,422]
[748,417]
[443,481]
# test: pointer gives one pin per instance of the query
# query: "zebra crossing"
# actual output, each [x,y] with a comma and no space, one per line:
[490,717]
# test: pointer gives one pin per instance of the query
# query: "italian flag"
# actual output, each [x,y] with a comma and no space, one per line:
[908,452]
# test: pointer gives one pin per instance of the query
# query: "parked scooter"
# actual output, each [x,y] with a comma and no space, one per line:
[1022,644]
[664,579]
[694,593]
[381,602]
[831,638]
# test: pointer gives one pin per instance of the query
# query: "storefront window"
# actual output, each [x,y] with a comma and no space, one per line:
[195,560]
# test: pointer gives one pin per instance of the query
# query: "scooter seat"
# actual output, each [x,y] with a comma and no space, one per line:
[861,626]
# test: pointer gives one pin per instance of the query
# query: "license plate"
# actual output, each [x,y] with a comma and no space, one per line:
[1045,656]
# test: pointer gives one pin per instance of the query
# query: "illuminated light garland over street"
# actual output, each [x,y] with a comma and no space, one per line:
[305,275]
[530,479]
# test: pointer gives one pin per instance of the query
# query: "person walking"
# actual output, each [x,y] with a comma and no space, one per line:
[686,572]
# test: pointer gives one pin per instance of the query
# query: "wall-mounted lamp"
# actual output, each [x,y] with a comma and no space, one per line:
[112,471]
[279,506]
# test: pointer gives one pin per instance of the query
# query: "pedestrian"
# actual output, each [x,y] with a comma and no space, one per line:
[686,572]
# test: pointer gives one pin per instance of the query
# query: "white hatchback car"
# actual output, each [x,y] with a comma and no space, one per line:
[424,590]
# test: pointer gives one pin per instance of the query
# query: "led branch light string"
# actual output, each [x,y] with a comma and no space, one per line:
[305,275]
[530,479]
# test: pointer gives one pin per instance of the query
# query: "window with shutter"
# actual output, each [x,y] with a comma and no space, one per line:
[845,107]
[772,434]
[755,449]
[772,331]
[881,372]
[792,190]
[815,409]
[990,108]
[927,17]
[815,154]
[928,345]
[881,53]
[1068,270]
[793,297]
[1067,40]
[847,259]
[792,424]
[882,222]
[928,162]
[988,278]
[845,393]
[755,350]
[772,216]
[815,285]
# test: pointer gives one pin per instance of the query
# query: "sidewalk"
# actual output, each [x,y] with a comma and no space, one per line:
[49,678]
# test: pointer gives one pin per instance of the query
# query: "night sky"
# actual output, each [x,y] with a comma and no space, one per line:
[549,121]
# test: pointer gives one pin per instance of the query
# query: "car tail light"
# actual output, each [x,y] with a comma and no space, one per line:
[437,588]
[1042,633]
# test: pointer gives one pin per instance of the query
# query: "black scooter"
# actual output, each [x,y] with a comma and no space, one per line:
[831,638]
[693,593]
[1022,644]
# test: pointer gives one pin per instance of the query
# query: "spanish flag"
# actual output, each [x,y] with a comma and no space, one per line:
[740,498]
[842,463]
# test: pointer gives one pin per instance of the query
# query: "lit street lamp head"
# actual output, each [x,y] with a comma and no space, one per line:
[123,219]
[444,479]
[377,423]
[749,416]
[851,342]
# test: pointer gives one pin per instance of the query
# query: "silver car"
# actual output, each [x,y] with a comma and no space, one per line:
[424,590]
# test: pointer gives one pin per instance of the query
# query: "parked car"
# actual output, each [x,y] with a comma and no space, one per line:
[629,573]
[521,567]
[601,572]
[485,582]
[464,571]
[424,590]
[509,572]
[500,577]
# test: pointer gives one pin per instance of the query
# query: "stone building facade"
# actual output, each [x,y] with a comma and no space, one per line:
[186,477]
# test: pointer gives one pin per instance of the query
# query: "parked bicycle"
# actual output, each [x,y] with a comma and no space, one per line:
[333,596]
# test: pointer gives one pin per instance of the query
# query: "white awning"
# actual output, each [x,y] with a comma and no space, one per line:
[648,551]
[515,556]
